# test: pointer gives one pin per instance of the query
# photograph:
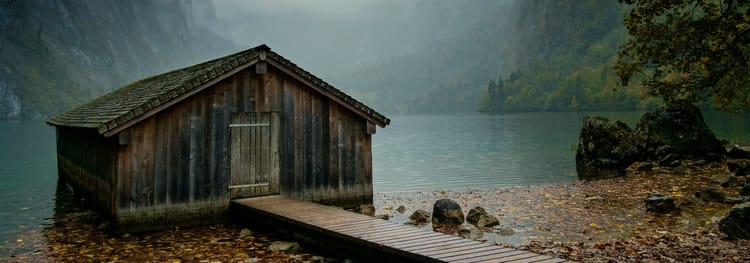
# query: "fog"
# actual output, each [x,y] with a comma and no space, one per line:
[324,36]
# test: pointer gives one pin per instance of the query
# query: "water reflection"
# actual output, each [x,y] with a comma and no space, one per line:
[428,152]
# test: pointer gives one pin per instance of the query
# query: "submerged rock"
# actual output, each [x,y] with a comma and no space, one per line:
[504,230]
[420,216]
[367,209]
[383,216]
[605,148]
[284,246]
[245,233]
[401,209]
[447,212]
[659,203]
[470,232]
[737,223]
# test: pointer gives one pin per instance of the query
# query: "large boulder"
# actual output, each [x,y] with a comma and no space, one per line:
[678,129]
[447,212]
[605,148]
[737,223]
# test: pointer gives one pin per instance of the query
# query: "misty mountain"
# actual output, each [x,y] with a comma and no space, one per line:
[473,42]
[57,54]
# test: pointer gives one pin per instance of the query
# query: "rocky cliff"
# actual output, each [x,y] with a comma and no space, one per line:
[57,54]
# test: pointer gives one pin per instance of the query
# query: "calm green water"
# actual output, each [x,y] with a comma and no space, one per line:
[424,152]
[427,152]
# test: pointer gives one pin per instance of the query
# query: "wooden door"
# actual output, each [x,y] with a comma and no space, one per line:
[254,154]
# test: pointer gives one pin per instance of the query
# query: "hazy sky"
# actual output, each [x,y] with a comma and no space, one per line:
[323,36]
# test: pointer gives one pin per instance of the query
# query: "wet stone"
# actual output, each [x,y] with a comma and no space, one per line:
[470,232]
[659,203]
[420,216]
[711,195]
[447,212]
[737,223]
[284,246]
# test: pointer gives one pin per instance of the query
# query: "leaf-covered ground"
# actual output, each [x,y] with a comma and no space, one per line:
[597,221]
[601,220]
[75,238]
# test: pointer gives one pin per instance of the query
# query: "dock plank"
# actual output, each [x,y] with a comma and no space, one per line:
[371,236]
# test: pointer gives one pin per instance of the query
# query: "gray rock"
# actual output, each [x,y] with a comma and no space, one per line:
[284,246]
[711,195]
[605,148]
[317,259]
[102,226]
[735,200]
[659,203]
[725,179]
[470,232]
[670,160]
[487,222]
[504,230]
[447,212]
[739,167]
[745,189]
[738,153]
[401,209]
[678,128]
[245,233]
[473,216]
[420,216]
[737,223]
[700,162]
[367,209]
[383,216]
[644,167]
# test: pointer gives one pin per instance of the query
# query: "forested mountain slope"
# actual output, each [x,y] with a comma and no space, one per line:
[57,54]
[551,55]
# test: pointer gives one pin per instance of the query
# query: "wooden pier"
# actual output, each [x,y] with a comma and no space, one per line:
[368,238]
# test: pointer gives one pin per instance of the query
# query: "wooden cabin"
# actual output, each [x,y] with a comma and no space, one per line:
[173,149]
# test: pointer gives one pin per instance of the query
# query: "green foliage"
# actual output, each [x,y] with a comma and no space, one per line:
[575,73]
[692,49]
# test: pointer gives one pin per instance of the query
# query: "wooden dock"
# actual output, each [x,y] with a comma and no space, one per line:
[367,237]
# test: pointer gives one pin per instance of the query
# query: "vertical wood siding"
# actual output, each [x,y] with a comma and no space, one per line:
[176,164]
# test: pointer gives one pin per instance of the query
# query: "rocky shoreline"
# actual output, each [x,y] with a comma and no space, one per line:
[606,219]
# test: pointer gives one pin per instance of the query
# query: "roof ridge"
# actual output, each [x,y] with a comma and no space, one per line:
[140,99]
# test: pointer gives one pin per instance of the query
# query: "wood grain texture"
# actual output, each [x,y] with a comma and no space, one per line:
[364,233]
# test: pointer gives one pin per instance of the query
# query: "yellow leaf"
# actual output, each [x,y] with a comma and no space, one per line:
[593,225]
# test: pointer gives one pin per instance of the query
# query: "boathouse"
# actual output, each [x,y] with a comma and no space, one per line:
[174,149]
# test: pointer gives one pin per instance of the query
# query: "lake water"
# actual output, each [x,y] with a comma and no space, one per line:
[424,152]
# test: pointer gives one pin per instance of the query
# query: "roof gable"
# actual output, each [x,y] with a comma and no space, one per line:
[139,100]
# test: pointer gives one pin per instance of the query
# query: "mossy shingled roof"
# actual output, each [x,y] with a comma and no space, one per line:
[132,101]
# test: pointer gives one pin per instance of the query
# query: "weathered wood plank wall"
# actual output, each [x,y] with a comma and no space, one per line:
[176,164]
[86,160]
